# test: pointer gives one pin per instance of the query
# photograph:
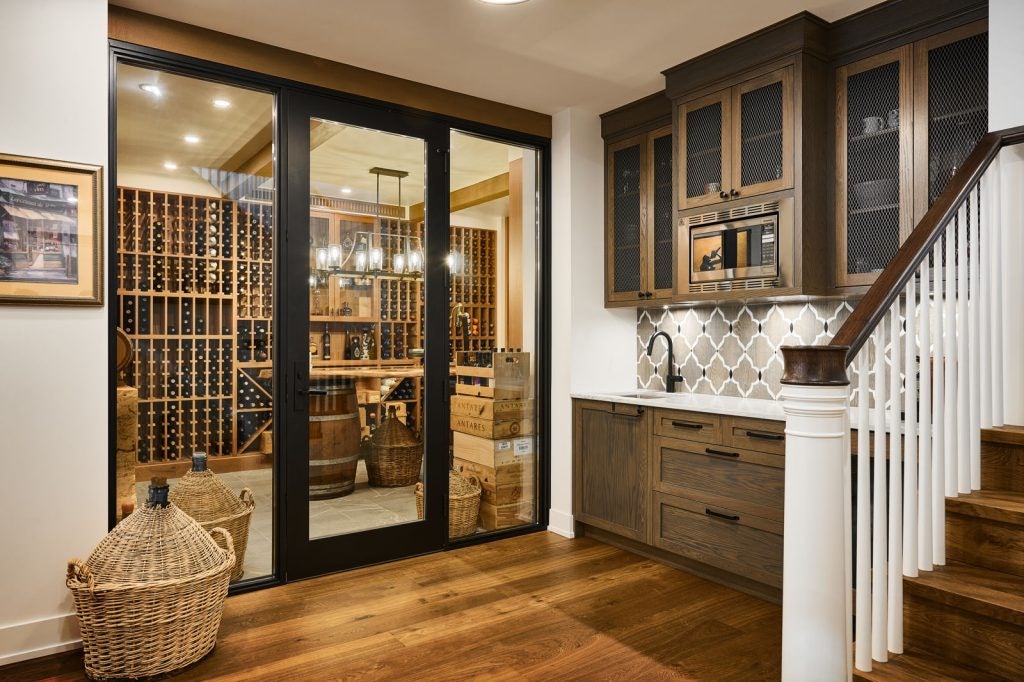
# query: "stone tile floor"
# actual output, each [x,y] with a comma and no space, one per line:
[365,508]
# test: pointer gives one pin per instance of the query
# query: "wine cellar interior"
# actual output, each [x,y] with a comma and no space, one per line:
[196,289]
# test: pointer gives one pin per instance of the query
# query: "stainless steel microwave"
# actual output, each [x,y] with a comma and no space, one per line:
[735,248]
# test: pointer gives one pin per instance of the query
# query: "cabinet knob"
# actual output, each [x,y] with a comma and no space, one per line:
[723,195]
[734,192]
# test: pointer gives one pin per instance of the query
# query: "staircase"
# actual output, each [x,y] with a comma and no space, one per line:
[965,620]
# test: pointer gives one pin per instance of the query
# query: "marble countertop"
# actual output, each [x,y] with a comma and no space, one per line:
[696,402]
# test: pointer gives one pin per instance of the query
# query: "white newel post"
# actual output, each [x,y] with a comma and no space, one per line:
[816,614]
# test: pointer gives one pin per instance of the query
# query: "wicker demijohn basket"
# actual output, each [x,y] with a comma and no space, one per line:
[395,454]
[205,498]
[463,505]
[150,596]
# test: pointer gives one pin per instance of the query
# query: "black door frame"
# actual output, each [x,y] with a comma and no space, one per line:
[147,57]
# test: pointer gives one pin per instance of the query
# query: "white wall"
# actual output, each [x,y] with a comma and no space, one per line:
[1006,110]
[53,361]
[591,348]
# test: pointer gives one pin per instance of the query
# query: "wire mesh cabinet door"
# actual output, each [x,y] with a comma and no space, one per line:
[704,154]
[950,106]
[626,221]
[874,169]
[660,244]
[762,135]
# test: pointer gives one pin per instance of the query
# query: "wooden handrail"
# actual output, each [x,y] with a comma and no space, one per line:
[817,365]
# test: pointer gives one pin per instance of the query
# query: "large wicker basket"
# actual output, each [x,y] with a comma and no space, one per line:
[395,454]
[150,596]
[463,505]
[204,497]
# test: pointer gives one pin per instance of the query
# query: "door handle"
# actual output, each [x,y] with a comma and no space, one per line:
[720,515]
[765,436]
[687,425]
[721,453]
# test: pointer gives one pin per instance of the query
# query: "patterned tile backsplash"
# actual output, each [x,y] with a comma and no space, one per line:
[733,349]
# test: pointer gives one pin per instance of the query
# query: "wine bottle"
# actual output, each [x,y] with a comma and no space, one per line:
[325,341]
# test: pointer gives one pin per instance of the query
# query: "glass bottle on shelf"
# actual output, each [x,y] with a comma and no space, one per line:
[325,341]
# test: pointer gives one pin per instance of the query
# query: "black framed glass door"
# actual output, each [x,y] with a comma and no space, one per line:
[364,335]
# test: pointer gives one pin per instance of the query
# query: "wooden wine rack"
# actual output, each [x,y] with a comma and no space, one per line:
[475,286]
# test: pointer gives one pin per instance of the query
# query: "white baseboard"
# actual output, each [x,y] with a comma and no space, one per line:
[562,523]
[22,641]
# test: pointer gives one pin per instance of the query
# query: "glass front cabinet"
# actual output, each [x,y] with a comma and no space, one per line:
[638,234]
[737,142]
[906,120]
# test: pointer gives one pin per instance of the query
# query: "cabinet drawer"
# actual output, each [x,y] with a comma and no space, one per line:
[742,480]
[695,426]
[762,435]
[745,545]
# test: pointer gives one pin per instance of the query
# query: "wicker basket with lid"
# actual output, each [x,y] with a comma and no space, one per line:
[150,596]
[204,497]
[395,454]
[463,504]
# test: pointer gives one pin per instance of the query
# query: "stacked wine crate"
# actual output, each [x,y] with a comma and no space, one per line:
[492,416]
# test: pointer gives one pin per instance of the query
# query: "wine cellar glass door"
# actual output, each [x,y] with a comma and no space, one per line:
[366,344]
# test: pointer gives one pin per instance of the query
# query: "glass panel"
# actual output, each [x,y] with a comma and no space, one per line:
[761,135]
[957,107]
[873,168]
[195,277]
[626,218]
[365,327]
[494,292]
[663,212]
[704,151]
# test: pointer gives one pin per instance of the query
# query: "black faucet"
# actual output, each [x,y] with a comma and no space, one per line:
[670,379]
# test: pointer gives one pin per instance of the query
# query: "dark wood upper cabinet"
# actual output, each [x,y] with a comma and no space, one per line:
[905,121]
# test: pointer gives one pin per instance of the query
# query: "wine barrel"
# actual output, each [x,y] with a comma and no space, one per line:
[333,441]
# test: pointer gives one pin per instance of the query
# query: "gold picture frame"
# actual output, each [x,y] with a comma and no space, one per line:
[51,232]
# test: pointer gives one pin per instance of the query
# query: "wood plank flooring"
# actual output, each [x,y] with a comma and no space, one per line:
[536,607]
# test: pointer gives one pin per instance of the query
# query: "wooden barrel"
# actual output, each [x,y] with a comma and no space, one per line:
[333,441]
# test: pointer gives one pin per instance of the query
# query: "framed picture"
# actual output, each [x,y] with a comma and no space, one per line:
[51,232]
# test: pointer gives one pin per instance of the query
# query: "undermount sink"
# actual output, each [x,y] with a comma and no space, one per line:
[642,395]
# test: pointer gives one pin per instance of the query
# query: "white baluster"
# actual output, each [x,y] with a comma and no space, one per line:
[963,362]
[879,598]
[949,333]
[863,650]
[974,342]
[996,310]
[924,497]
[985,262]
[895,617]
[938,416]
[910,437]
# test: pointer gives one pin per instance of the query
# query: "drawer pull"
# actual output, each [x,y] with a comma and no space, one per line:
[720,515]
[721,453]
[765,436]
[687,425]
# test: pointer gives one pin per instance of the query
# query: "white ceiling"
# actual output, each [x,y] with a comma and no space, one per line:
[544,55]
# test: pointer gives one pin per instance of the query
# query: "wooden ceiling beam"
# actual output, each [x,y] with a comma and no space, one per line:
[470,195]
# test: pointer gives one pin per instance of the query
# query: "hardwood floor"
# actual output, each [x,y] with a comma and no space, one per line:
[528,608]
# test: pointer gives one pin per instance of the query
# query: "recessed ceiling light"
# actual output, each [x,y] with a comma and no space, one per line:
[346,190]
[192,139]
[152,89]
[221,103]
[503,2]
[170,165]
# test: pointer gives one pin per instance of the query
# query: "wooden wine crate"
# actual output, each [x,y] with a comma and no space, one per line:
[492,428]
[505,485]
[492,453]
[506,516]
[487,408]
[508,377]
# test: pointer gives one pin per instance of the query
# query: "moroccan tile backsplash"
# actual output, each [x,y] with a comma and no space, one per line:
[733,349]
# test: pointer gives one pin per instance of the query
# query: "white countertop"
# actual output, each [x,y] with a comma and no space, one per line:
[696,402]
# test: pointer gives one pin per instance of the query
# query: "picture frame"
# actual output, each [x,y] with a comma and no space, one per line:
[51,232]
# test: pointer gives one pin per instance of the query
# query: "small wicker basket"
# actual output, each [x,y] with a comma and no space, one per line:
[204,497]
[150,596]
[463,505]
[395,454]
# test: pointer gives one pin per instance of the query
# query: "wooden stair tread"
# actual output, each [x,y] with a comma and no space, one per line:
[972,588]
[1008,435]
[918,666]
[995,505]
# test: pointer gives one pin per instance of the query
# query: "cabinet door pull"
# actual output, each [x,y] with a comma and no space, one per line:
[765,436]
[687,425]
[720,515]
[721,453]
[734,192]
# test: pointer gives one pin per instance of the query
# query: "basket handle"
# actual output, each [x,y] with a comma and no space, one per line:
[247,497]
[419,487]
[475,481]
[228,541]
[80,573]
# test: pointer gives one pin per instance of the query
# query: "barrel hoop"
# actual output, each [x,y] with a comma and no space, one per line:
[333,417]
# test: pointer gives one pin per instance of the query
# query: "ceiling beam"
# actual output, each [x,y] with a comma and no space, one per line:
[470,195]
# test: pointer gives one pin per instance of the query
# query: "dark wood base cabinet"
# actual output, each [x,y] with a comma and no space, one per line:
[713,489]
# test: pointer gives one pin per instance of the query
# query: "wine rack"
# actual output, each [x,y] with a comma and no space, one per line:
[474,285]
